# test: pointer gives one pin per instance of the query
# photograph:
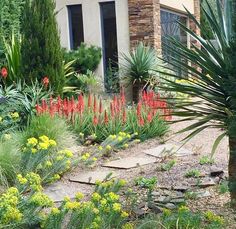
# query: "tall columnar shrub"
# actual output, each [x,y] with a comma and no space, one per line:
[41,50]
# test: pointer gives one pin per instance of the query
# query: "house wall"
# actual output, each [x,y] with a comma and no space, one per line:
[92,24]
[178,5]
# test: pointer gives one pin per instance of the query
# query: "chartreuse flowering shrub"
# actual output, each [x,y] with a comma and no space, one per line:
[40,155]
[23,206]
[103,210]
[8,122]
[121,140]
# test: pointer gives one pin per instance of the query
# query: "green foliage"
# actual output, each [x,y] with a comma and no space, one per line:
[112,80]
[10,21]
[39,155]
[103,210]
[55,128]
[18,210]
[148,183]
[214,69]
[41,50]
[168,166]
[85,57]
[223,187]
[193,173]
[87,82]
[9,160]
[139,64]
[206,160]
[183,218]
[13,58]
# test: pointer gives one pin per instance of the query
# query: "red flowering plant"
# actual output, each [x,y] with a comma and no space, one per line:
[45,81]
[3,74]
[91,116]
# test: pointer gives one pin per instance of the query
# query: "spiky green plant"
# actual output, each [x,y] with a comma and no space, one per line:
[214,84]
[137,67]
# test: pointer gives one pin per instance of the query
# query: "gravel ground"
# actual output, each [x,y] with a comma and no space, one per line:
[200,145]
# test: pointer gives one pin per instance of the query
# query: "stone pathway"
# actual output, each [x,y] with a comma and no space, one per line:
[142,160]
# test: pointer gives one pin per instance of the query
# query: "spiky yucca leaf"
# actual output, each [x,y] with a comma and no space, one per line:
[212,82]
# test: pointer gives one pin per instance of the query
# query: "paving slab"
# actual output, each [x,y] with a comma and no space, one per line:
[129,162]
[58,191]
[92,177]
[168,149]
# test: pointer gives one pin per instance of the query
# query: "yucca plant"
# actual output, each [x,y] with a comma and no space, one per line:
[213,82]
[137,67]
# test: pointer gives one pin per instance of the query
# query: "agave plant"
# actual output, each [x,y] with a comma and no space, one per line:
[137,67]
[212,82]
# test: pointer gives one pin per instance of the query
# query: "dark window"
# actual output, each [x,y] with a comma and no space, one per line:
[76,26]
[170,28]
[109,35]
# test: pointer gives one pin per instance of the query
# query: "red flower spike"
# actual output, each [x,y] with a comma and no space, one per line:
[112,110]
[139,108]
[141,121]
[106,120]
[95,120]
[100,106]
[45,81]
[4,72]
[124,116]
[94,104]
[89,100]
[149,117]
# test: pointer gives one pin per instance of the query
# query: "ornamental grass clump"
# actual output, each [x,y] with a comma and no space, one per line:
[92,116]
[39,155]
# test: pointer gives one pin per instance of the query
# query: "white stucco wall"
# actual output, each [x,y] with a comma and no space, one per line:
[178,5]
[92,24]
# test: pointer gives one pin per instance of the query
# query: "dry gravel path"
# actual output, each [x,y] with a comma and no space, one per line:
[200,145]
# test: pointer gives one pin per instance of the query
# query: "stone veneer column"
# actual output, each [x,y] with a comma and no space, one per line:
[197,13]
[144,22]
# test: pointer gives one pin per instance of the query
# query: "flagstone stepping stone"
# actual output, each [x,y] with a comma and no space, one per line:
[92,177]
[129,162]
[168,150]
[58,191]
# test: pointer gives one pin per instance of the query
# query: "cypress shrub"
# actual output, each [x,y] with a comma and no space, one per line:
[41,51]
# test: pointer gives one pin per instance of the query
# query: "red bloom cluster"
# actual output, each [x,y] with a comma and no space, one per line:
[69,108]
[45,81]
[4,72]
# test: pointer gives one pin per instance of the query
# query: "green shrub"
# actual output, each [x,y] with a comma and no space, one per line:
[193,173]
[9,160]
[55,128]
[86,58]
[103,209]
[41,51]
[39,155]
[182,218]
[204,160]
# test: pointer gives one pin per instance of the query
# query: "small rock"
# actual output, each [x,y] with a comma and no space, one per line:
[206,183]
[203,194]
[156,194]
[217,180]
[216,172]
[170,206]
[155,208]
[140,213]
[177,201]
[177,195]
[181,188]
[163,199]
